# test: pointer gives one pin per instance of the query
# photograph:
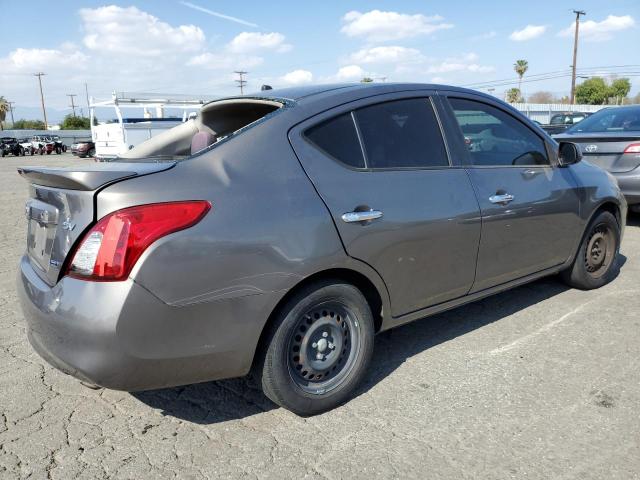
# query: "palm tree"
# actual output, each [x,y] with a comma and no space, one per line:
[4,108]
[521,67]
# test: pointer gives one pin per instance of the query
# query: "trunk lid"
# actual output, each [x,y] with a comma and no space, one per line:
[606,150]
[61,207]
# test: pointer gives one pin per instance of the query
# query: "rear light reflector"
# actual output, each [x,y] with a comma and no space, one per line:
[111,248]
[633,148]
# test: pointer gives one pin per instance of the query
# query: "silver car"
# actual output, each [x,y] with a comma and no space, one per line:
[278,233]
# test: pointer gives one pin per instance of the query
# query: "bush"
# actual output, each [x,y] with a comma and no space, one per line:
[23,124]
[72,122]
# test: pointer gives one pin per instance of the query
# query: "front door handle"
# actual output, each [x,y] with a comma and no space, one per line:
[501,199]
[365,216]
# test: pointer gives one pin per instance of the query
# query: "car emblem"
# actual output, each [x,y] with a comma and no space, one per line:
[591,148]
[68,225]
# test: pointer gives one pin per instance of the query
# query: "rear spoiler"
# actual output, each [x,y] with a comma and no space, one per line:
[90,177]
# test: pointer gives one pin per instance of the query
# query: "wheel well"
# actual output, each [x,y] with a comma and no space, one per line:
[352,277]
[610,207]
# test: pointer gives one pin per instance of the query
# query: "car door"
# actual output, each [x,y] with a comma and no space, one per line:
[382,169]
[529,204]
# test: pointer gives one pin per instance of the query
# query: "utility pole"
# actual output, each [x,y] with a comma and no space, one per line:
[241,81]
[86,92]
[11,111]
[73,105]
[44,112]
[575,56]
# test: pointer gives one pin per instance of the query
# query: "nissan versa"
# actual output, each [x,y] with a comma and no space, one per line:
[279,232]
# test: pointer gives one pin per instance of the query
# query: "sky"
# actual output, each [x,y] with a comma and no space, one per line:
[193,47]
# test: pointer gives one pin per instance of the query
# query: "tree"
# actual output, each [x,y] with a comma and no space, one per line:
[366,80]
[513,95]
[541,97]
[4,108]
[521,67]
[23,124]
[72,122]
[595,91]
[619,89]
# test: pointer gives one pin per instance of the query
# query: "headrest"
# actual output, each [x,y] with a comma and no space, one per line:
[202,140]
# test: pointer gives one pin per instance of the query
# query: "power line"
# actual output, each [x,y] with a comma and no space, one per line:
[44,111]
[572,97]
[241,81]
[73,105]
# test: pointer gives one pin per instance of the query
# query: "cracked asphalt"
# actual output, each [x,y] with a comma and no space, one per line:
[539,382]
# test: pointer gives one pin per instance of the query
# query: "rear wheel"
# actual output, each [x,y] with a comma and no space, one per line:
[595,264]
[320,348]
[92,152]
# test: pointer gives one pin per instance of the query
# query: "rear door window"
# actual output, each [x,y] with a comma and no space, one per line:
[495,138]
[401,134]
[338,138]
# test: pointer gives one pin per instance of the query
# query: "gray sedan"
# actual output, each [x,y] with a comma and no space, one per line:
[277,233]
[610,139]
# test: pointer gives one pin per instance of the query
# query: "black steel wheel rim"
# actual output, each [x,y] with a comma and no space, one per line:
[323,347]
[600,251]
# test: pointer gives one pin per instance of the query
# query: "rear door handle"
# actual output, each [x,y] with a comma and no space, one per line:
[501,199]
[366,216]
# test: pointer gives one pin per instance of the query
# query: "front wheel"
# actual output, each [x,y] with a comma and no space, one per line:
[595,264]
[320,348]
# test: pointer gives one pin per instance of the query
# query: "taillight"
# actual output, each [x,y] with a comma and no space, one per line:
[111,248]
[633,148]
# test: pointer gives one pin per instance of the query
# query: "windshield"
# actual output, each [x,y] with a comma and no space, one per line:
[610,120]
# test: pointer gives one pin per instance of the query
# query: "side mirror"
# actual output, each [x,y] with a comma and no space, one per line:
[568,154]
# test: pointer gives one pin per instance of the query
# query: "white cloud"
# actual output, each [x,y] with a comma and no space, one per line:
[349,73]
[386,54]
[599,31]
[463,63]
[297,77]
[528,33]
[224,61]
[247,42]
[131,31]
[32,59]
[379,26]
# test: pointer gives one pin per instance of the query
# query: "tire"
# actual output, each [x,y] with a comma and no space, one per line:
[328,321]
[596,262]
[92,153]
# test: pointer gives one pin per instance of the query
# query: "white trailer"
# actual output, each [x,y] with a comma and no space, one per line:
[116,137]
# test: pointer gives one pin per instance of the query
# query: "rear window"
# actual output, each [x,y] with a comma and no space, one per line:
[402,134]
[338,138]
[610,120]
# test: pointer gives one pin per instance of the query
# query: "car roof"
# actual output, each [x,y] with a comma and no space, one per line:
[369,88]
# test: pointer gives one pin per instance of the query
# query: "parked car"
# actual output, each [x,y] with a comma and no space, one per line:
[27,146]
[10,146]
[277,233]
[83,148]
[610,139]
[559,122]
[58,145]
[47,144]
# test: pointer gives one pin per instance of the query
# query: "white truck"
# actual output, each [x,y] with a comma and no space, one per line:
[115,137]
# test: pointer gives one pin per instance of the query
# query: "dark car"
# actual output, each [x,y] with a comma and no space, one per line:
[11,146]
[560,122]
[610,139]
[278,232]
[83,148]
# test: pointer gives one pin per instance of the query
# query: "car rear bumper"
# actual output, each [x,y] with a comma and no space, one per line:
[629,183]
[118,335]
